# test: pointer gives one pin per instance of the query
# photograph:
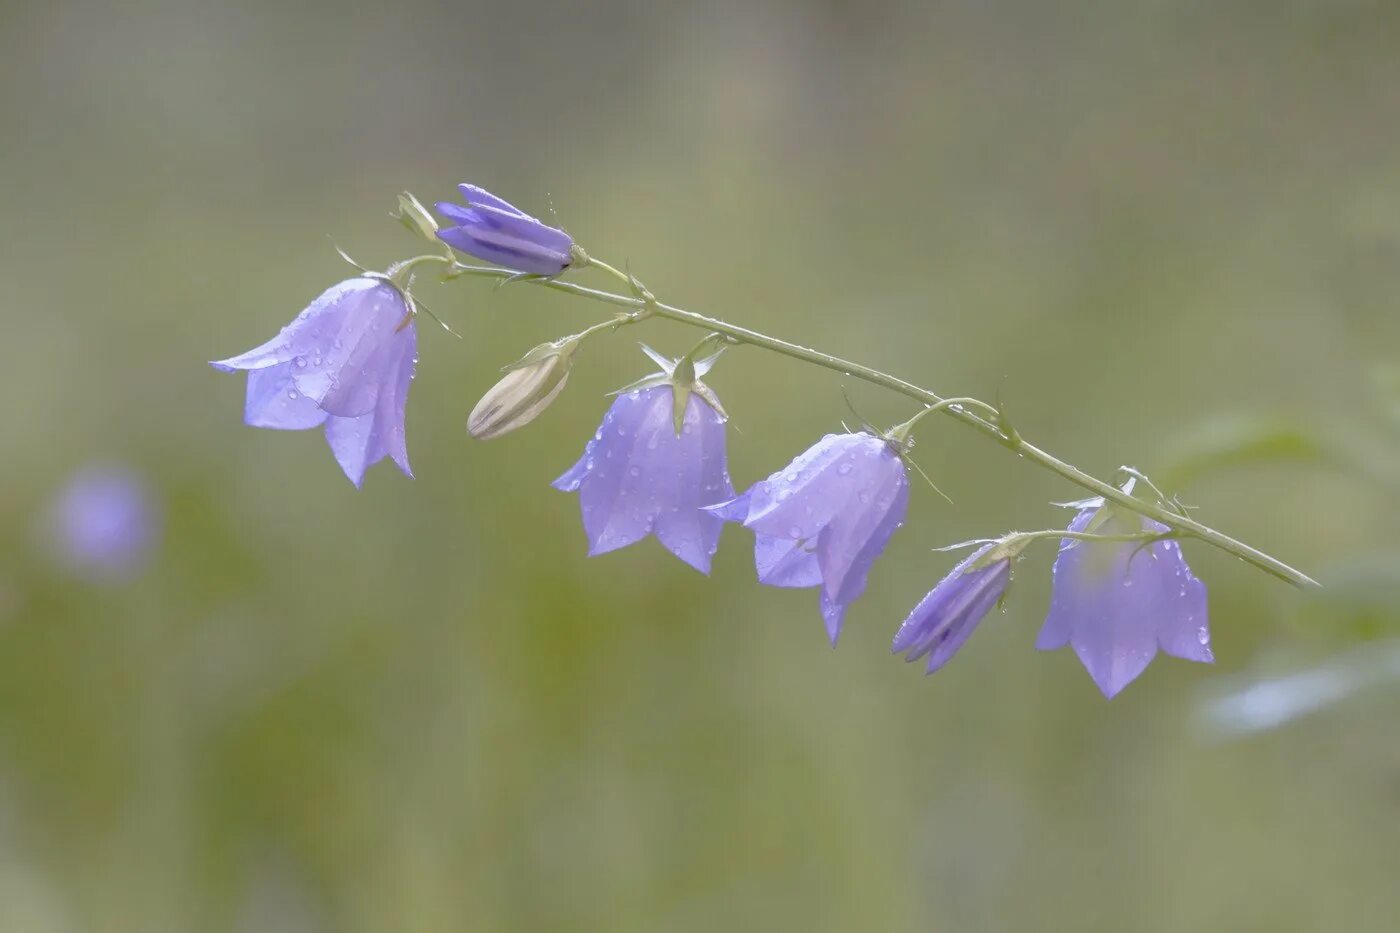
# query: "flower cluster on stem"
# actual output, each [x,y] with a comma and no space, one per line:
[657,463]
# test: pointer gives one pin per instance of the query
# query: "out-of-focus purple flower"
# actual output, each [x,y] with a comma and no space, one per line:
[947,616]
[825,517]
[491,229]
[1118,602]
[345,362]
[640,476]
[104,525]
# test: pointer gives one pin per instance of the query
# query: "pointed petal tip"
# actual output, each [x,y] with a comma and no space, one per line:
[833,614]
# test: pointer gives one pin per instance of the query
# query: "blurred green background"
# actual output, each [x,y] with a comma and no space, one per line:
[1155,229]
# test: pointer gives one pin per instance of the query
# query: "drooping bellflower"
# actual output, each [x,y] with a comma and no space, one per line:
[345,362]
[824,518]
[658,456]
[945,618]
[496,231]
[1117,602]
[104,525]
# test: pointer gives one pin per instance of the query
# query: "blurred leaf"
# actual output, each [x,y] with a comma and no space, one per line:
[1385,381]
[1359,601]
[1250,705]
[1223,443]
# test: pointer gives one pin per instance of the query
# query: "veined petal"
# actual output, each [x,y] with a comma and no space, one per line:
[480,196]
[347,370]
[274,402]
[634,418]
[691,472]
[1166,592]
[1059,622]
[944,619]
[833,615]
[731,510]
[821,483]
[475,236]
[526,229]
[362,441]
[849,545]
[971,615]
[785,562]
[311,334]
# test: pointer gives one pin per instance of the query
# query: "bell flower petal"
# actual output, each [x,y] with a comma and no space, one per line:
[825,518]
[944,619]
[1117,603]
[492,229]
[639,477]
[346,362]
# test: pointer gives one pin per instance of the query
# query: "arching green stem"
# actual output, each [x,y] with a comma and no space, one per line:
[982,417]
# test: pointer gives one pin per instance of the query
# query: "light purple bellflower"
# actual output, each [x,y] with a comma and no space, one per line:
[494,230]
[824,518]
[103,525]
[345,362]
[1117,603]
[945,618]
[640,476]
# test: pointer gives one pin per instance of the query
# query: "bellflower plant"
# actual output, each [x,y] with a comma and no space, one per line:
[1117,602]
[657,463]
[346,363]
[496,231]
[657,457]
[824,518]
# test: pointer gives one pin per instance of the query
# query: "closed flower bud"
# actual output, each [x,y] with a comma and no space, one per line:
[525,391]
[413,215]
[497,231]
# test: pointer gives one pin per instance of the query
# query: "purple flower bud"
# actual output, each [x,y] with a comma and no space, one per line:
[491,229]
[947,616]
[639,476]
[1116,603]
[824,518]
[345,362]
[103,525]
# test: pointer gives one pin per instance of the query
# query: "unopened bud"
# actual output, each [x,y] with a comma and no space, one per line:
[413,215]
[525,391]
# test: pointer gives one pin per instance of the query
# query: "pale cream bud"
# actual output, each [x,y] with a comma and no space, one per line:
[523,392]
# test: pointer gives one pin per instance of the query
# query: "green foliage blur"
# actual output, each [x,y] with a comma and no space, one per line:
[1164,234]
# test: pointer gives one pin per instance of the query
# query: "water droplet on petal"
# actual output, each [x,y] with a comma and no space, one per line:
[795,531]
[844,468]
[300,362]
[1203,635]
[864,496]
[634,471]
